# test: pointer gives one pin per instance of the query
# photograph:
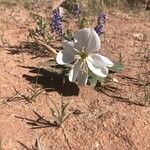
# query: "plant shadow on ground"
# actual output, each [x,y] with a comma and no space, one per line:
[51,81]
[32,48]
[36,146]
[26,147]
[110,92]
[117,93]
[39,122]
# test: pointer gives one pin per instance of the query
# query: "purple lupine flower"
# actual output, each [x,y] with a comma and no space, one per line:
[100,23]
[76,9]
[56,22]
[102,18]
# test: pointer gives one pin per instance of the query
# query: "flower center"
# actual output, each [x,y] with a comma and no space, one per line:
[83,55]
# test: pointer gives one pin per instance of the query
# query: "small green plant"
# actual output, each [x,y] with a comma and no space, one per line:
[60,115]
[34,93]
[41,32]
[83,22]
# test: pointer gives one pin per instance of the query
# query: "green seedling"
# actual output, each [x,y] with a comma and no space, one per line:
[34,93]
[83,22]
[41,31]
[60,115]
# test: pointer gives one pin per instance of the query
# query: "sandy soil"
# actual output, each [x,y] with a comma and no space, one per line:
[111,118]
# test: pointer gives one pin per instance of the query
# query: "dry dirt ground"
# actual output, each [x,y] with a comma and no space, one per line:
[114,117]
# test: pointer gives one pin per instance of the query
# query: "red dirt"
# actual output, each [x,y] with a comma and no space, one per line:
[108,120]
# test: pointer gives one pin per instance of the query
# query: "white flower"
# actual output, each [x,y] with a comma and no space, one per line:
[82,53]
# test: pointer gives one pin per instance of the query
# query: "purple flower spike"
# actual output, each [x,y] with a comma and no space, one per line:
[77,9]
[102,18]
[100,23]
[56,22]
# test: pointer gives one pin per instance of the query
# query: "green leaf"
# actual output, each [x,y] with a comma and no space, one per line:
[101,79]
[93,82]
[83,22]
[94,79]
[68,35]
[118,66]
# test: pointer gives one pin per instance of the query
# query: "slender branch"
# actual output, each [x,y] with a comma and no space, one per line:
[48,47]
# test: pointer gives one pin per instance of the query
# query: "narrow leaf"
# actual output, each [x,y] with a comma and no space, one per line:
[117,67]
[93,82]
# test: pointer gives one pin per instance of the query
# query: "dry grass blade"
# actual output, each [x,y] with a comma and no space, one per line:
[147,95]
[37,145]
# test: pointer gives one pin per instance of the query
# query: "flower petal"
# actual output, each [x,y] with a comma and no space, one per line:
[82,38]
[68,45]
[99,71]
[64,57]
[99,60]
[88,39]
[82,78]
[93,42]
[74,72]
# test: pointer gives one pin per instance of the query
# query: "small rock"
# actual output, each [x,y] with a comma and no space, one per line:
[138,36]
